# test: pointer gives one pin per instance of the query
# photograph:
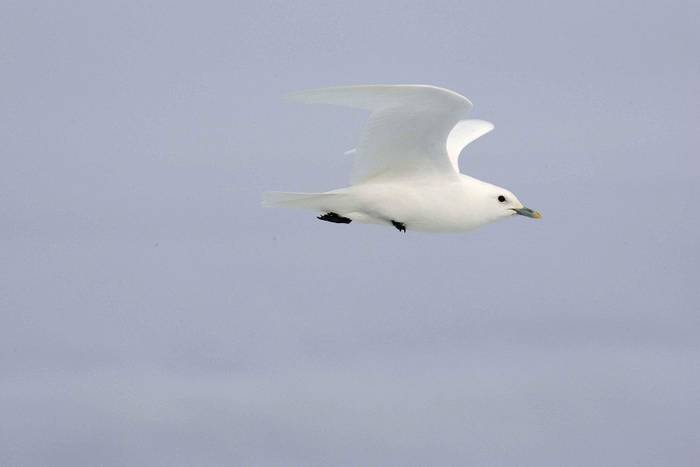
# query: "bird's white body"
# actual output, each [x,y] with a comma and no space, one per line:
[419,202]
[405,170]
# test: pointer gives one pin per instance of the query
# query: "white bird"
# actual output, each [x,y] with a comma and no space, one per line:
[405,169]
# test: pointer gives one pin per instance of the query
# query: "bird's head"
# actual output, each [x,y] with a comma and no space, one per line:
[498,203]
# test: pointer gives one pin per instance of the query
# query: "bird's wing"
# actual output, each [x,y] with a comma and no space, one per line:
[408,127]
[463,133]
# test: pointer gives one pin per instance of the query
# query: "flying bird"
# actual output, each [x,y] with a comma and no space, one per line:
[405,171]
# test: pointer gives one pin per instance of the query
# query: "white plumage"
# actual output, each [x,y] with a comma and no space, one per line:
[405,168]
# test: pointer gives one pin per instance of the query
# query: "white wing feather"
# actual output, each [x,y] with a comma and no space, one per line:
[408,127]
[463,133]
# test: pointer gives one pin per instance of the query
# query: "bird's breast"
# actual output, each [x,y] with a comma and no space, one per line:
[421,205]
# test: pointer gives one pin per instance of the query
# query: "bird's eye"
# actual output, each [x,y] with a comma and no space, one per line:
[502,199]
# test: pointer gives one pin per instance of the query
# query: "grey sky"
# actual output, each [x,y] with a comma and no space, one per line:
[151,313]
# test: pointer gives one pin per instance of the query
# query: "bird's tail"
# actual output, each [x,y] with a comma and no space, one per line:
[323,202]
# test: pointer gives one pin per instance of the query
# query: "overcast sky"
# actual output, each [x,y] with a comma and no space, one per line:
[152,313]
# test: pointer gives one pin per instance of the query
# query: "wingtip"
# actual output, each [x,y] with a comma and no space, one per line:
[375,97]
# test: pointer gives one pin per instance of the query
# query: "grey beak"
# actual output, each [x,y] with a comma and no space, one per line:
[527,212]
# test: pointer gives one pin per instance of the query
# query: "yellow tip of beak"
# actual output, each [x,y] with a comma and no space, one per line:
[536,215]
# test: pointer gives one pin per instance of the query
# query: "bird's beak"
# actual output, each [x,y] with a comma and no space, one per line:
[527,212]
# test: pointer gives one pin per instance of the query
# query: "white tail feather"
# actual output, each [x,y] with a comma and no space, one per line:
[315,201]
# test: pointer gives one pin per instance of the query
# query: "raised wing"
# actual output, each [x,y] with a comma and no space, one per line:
[408,127]
[463,133]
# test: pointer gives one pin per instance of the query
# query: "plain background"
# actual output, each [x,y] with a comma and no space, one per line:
[152,313]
